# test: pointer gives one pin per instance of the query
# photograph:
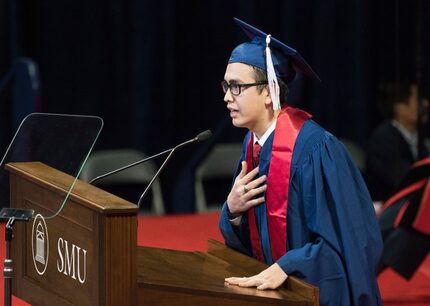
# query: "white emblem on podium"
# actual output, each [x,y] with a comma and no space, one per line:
[40,244]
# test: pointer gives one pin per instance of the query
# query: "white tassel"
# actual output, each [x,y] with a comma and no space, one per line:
[271,77]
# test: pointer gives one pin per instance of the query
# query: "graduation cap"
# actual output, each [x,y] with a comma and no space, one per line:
[269,54]
[404,222]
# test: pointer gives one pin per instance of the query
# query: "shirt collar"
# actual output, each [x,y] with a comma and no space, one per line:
[411,138]
[266,134]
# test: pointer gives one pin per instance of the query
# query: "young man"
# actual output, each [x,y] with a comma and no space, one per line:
[393,147]
[305,209]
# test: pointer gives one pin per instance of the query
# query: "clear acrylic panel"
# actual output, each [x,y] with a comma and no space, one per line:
[60,141]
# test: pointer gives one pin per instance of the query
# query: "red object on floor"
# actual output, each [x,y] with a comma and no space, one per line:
[191,232]
[397,291]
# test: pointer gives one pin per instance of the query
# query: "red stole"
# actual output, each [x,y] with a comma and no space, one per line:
[420,222]
[288,125]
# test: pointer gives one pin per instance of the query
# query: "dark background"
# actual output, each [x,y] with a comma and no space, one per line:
[152,69]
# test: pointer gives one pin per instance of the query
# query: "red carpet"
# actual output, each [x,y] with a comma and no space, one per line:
[179,232]
[191,232]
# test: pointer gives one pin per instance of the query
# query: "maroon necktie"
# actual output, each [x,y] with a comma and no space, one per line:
[256,154]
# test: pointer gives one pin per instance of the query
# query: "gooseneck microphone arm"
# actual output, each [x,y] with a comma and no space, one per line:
[200,137]
[129,166]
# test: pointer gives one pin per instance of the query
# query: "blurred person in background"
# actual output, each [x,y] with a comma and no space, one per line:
[395,144]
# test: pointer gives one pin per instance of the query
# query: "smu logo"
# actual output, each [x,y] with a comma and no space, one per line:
[72,260]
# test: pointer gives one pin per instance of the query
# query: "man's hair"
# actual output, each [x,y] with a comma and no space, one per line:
[392,93]
[260,75]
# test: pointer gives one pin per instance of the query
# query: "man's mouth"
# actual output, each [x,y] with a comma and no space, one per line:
[233,112]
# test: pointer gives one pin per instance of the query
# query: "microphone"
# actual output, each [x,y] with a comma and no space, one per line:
[199,138]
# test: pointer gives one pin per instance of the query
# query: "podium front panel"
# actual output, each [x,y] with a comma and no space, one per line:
[83,256]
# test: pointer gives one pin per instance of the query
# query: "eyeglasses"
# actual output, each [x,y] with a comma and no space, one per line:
[236,89]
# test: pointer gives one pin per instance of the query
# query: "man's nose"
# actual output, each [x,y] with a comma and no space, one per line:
[228,97]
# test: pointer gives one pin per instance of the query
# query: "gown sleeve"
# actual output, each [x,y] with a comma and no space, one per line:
[236,237]
[334,238]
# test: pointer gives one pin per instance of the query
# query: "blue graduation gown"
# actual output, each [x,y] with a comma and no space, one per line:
[334,241]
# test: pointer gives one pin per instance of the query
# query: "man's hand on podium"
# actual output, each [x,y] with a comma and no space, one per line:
[271,278]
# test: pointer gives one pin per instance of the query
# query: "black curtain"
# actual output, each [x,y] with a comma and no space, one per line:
[152,69]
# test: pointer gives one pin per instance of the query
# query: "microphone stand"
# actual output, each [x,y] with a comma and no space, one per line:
[8,268]
[12,215]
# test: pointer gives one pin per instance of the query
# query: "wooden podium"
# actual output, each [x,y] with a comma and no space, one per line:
[88,254]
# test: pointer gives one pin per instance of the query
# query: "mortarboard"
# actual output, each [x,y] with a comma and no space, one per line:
[286,61]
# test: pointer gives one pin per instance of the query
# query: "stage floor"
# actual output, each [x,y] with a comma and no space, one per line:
[191,232]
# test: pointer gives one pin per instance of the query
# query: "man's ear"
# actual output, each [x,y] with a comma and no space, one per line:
[267,97]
